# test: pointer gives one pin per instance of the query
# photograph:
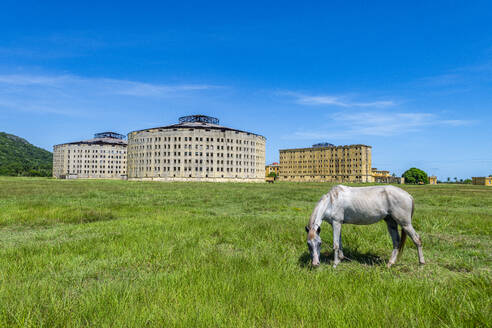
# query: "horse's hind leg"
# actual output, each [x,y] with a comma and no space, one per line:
[395,237]
[416,239]
[340,252]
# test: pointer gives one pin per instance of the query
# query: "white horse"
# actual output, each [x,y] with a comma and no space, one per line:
[363,205]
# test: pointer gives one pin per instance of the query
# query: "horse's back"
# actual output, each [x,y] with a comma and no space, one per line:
[366,205]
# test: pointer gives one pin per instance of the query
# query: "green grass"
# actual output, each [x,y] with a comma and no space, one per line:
[144,254]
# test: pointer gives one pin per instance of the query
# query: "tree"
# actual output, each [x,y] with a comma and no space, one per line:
[415,176]
[467,181]
[449,179]
[272,174]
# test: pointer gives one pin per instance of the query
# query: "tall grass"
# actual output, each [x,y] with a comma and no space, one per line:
[134,254]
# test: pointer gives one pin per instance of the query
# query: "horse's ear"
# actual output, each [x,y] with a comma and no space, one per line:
[319,230]
[307,228]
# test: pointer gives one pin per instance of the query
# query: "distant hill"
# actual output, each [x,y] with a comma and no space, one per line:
[19,158]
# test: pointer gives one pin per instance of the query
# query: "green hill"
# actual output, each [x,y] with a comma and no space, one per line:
[19,157]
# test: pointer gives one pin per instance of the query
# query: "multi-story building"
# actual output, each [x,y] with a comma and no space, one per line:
[196,149]
[103,157]
[326,162]
[484,181]
[432,180]
[274,167]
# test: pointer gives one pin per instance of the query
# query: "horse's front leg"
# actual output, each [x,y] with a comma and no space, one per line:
[337,230]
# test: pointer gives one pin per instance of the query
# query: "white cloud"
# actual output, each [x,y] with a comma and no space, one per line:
[341,101]
[75,95]
[385,124]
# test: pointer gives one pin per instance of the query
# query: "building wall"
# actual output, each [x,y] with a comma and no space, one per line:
[484,181]
[331,164]
[196,154]
[89,161]
[432,180]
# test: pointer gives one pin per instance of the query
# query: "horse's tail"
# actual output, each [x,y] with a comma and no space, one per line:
[404,235]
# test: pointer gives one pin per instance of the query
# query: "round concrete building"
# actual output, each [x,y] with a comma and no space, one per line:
[196,149]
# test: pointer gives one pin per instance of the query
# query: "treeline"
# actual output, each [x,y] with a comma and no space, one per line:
[19,158]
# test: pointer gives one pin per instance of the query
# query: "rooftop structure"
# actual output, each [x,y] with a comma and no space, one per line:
[196,122]
[103,138]
[323,144]
[109,135]
[199,118]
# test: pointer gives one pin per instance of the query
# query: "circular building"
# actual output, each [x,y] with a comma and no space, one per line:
[196,149]
[103,157]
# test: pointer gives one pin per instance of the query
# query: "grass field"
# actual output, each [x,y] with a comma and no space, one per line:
[144,254]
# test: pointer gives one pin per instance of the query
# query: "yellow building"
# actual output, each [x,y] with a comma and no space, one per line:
[382,176]
[326,162]
[432,180]
[274,167]
[483,181]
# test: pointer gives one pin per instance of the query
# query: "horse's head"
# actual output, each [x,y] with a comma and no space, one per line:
[314,244]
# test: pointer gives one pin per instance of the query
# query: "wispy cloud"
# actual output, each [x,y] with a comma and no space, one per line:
[75,95]
[461,76]
[341,101]
[385,124]
[139,89]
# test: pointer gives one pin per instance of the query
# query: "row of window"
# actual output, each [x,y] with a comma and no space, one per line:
[96,167]
[96,151]
[196,169]
[96,172]
[217,162]
[197,139]
[97,156]
[189,153]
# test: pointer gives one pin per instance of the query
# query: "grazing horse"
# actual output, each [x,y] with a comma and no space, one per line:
[363,205]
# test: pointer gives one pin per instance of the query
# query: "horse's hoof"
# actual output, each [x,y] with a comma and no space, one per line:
[422,262]
[389,265]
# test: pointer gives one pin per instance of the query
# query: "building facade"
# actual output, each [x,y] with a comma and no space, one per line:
[274,167]
[432,180]
[103,157]
[326,162]
[483,181]
[196,149]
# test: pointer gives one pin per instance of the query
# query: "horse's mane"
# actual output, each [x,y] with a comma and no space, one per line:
[332,195]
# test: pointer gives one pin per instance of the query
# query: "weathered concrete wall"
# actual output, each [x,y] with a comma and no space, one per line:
[89,161]
[196,154]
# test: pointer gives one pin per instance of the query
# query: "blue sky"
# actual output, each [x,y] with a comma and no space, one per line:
[413,80]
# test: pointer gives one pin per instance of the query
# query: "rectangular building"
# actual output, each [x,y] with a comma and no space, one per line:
[274,167]
[383,176]
[432,180]
[327,163]
[483,181]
